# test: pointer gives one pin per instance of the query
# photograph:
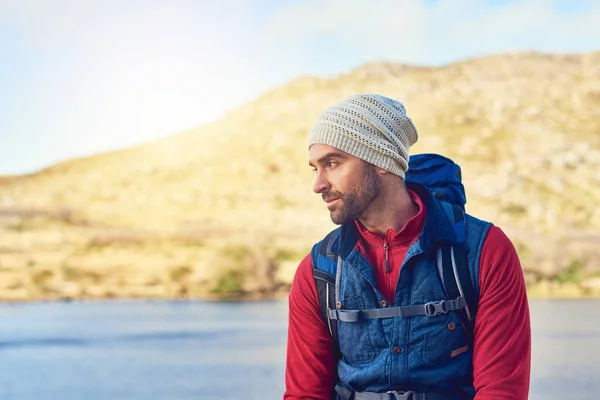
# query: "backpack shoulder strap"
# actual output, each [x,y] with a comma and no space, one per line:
[325,265]
[453,266]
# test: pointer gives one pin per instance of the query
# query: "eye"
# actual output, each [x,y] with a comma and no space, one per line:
[331,164]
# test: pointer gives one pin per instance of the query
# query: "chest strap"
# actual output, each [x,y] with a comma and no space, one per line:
[431,309]
[410,395]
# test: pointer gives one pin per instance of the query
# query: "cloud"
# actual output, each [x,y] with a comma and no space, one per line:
[92,76]
[415,32]
[84,76]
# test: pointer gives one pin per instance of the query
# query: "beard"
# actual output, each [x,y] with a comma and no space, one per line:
[353,204]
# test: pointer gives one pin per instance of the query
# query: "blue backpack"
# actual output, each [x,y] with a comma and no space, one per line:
[442,177]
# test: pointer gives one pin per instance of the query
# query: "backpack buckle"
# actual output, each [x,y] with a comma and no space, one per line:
[402,395]
[435,308]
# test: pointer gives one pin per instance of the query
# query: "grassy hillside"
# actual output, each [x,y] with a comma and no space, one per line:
[227,209]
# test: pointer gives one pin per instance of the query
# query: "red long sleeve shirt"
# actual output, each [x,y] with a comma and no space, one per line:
[502,344]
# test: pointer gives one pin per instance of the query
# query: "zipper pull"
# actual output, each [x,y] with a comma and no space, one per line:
[387,259]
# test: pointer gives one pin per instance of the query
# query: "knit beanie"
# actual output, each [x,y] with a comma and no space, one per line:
[371,127]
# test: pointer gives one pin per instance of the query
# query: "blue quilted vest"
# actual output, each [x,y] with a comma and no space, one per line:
[428,354]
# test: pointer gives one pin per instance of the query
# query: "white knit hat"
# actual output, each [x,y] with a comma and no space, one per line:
[371,127]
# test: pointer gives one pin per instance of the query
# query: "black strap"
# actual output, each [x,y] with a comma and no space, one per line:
[326,292]
[344,393]
[324,276]
[455,273]
[431,309]
[462,267]
[410,395]
[327,244]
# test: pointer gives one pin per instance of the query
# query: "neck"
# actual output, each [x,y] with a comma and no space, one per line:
[390,210]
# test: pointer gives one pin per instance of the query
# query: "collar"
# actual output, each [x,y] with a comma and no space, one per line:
[406,234]
[436,231]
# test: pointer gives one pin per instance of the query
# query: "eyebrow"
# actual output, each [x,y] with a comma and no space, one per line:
[326,156]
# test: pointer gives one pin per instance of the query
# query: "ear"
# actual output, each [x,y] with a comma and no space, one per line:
[382,171]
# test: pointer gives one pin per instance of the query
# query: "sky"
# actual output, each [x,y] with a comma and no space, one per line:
[78,77]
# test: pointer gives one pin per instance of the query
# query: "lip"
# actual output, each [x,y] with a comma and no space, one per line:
[331,202]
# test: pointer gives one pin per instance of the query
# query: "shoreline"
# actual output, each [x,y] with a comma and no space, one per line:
[540,291]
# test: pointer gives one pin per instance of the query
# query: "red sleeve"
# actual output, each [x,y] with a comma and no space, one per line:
[502,345]
[310,364]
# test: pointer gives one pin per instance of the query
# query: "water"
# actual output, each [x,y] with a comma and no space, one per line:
[198,350]
[566,350]
[146,350]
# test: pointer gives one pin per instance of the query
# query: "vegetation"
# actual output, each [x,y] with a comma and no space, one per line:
[226,210]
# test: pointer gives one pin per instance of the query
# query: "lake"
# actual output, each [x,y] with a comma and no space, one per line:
[225,351]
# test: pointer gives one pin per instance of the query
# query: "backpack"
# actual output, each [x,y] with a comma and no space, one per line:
[443,179]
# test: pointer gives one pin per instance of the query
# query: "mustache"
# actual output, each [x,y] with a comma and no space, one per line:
[331,195]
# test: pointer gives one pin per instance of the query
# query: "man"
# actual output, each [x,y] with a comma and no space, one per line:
[359,152]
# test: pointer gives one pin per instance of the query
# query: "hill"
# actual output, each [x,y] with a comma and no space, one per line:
[227,209]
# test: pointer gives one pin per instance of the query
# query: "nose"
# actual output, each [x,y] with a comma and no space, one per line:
[321,183]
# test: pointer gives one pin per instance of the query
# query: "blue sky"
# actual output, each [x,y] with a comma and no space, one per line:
[79,77]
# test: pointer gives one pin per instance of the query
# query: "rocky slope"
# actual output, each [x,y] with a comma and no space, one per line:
[227,209]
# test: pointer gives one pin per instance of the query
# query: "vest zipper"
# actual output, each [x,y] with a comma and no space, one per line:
[387,259]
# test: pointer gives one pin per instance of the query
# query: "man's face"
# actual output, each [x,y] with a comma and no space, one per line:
[347,184]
